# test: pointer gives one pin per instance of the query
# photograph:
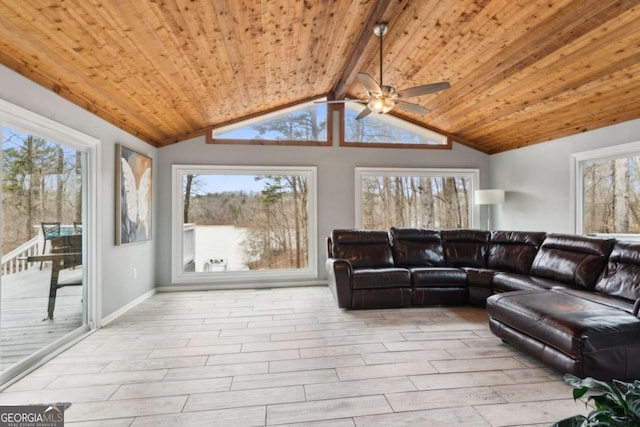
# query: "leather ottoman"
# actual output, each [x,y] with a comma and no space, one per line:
[569,333]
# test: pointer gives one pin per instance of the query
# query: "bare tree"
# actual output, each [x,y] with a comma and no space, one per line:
[60,182]
[399,201]
[620,195]
[187,198]
[77,217]
[415,201]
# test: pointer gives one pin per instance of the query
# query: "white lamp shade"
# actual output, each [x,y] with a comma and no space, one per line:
[489,197]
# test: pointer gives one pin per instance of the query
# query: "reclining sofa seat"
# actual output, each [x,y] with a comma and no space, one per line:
[362,273]
[509,252]
[433,282]
[621,278]
[466,250]
[563,261]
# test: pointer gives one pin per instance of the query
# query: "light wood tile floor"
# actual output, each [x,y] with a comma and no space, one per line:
[291,357]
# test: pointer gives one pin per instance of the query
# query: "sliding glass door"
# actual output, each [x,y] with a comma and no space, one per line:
[43,283]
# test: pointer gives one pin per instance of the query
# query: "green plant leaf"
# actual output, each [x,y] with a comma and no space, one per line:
[575,421]
[616,404]
[583,385]
[609,404]
[633,402]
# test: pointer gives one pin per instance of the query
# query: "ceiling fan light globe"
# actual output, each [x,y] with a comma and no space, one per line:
[381,105]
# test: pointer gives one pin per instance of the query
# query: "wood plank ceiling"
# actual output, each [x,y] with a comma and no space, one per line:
[521,71]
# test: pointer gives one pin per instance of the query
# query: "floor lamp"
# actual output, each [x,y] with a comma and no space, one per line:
[489,197]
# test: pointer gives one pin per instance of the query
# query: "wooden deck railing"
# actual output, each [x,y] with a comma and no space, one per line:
[16,260]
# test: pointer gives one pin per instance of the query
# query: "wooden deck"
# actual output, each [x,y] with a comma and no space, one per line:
[23,308]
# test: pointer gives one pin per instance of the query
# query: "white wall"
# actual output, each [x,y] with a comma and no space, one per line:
[537,178]
[336,178]
[118,286]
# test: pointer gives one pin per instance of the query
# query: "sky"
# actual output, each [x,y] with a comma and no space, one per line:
[223,183]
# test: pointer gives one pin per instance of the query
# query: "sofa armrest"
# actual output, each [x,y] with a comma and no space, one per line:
[636,308]
[339,272]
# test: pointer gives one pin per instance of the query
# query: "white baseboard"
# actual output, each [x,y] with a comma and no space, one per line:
[228,286]
[113,316]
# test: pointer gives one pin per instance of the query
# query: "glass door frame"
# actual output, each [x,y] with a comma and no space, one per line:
[26,121]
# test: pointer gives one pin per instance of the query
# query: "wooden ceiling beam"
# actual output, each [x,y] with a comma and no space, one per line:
[365,48]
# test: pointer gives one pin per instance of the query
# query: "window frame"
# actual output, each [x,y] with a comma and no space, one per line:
[472,173]
[262,117]
[179,276]
[576,189]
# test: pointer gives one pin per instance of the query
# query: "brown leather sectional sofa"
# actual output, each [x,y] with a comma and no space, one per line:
[570,301]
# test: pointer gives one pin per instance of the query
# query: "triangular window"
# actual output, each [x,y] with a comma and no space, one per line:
[387,130]
[303,124]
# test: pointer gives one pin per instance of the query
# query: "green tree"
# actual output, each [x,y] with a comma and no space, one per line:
[38,185]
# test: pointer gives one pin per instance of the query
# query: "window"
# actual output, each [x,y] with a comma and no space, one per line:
[608,190]
[385,130]
[232,222]
[303,124]
[424,198]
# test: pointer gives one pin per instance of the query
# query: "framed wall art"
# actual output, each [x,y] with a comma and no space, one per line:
[133,196]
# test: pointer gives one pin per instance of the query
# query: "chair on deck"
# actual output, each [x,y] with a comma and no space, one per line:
[50,230]
[68,252]
[77,227]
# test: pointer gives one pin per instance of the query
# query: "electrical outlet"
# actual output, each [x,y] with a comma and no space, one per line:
[134,273]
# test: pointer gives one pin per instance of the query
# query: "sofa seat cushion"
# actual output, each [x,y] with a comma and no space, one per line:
[507,282]
[380,278]
[604,299]
[442,277]
[573,325]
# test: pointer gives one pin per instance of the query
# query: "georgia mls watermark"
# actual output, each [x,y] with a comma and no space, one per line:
[51,415]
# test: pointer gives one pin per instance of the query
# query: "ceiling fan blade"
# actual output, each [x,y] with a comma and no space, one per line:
[369,83]
[423,90]
[364,113]
[410,107]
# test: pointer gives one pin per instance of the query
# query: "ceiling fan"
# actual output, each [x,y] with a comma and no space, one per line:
[381,99]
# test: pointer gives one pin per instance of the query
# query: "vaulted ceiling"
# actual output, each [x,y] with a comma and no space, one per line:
[521,71]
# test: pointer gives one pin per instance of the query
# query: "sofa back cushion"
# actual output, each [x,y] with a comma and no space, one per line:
[621,276]
[465,248]
[513,251]
[416,247]
[362,248]
[576,261]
